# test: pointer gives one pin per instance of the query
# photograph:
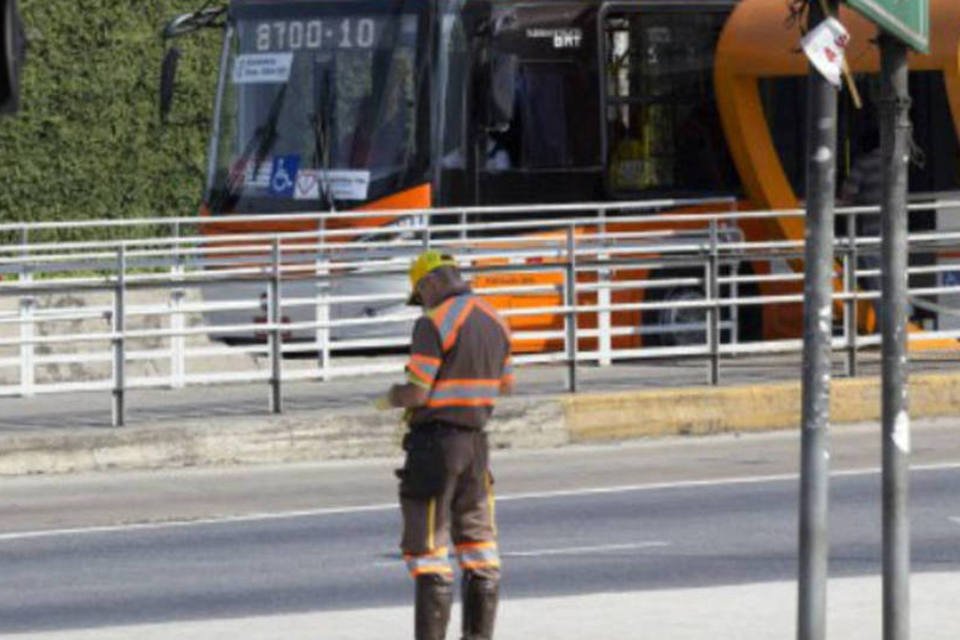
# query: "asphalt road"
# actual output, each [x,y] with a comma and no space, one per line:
[121,549]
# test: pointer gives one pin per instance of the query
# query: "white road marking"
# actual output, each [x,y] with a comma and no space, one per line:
[562,551]
[569,551]
[309,513]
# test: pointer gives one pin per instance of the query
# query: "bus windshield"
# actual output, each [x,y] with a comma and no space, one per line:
[318,105]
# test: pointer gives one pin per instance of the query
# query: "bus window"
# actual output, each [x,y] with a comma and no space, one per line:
[663,133]
[452,92]
[937,168]
[547,129]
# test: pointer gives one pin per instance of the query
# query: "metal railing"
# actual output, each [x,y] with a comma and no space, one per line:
[589,283]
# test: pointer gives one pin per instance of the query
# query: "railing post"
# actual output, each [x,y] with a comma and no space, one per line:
[276,335]
[178,342]
[851,288]
[734,290]
[28,304]
[570,317]
[119,341]
[713,299]
[463,224]
[604,324]
[322,306]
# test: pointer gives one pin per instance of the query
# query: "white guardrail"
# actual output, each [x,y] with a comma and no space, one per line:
[586,283]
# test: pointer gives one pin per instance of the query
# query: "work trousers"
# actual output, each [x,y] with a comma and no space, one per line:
[461,511]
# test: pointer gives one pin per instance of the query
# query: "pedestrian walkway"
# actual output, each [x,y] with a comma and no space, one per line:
[743,612]
[222,403]
[232,424]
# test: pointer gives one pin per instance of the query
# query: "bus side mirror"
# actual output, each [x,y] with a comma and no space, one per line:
[502,88]
[12,45]
[168,79]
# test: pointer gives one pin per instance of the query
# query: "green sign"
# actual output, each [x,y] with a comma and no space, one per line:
[908,20]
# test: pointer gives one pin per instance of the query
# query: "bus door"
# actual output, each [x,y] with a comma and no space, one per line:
[548,150]
[661,135]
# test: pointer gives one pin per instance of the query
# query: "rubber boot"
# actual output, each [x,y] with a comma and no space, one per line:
[480,596]
[432,607]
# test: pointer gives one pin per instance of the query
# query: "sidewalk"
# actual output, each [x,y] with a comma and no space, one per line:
[232,425]
[764,611]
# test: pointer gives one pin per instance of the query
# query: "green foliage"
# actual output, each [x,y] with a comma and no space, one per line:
[87,142]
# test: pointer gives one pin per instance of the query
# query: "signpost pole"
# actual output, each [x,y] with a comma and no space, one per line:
[817,331]
[894,135]
[903,23]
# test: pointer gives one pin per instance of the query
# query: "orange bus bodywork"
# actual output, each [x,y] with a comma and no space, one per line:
[754,44]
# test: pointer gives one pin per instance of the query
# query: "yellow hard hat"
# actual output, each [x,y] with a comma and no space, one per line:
[425,263]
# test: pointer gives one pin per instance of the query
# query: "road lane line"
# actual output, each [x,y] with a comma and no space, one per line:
[578,550]
[561,551]
[173,524]
[687,484]
[310,513]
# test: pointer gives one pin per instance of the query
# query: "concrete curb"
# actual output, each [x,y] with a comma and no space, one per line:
[519,423]
[706,410]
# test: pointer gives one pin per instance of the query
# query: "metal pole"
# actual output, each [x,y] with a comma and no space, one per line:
[817,326]
[851,287]
[178,342]
[322,307]
[119,346]
[28,305]
[570,301]
[713,311]
[894,136]
[604,299]
[276,337]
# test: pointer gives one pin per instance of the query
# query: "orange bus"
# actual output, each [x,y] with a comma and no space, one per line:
[329,105]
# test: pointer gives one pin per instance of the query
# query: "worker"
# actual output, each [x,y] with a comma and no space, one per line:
[459,364]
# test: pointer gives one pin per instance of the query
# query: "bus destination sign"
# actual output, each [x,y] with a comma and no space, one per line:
[908,20]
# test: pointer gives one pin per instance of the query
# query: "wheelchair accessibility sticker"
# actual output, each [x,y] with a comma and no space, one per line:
[283,177]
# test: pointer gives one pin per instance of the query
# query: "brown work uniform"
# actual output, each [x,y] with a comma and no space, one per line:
[461,353]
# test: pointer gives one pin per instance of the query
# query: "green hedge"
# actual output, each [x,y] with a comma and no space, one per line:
[87,142]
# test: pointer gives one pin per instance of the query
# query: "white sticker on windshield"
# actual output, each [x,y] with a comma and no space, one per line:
[262,68]
[343,184]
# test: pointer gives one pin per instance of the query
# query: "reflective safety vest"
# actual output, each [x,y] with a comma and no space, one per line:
[461,353]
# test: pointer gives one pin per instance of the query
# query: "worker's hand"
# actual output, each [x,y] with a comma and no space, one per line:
[383,403]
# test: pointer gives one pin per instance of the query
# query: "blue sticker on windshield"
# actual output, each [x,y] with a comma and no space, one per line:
[283,178]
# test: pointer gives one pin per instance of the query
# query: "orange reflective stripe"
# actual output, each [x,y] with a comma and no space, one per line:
[482,555]
[422,571]
[419,357]
[437,561]
[476,545]
[438,314]
[461,402]
[451,335]
[423,368]
[464,393]
[416,372]
[480,564]
[467,382]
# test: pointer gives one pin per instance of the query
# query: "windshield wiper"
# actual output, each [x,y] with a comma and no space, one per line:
[257,149]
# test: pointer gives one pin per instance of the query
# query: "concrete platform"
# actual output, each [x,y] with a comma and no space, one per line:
[226,425]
